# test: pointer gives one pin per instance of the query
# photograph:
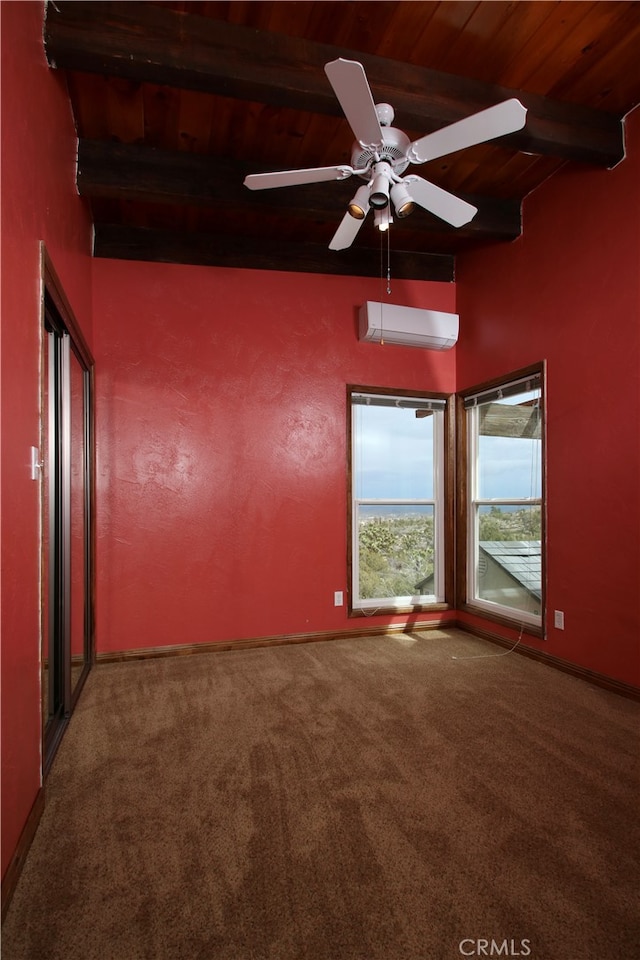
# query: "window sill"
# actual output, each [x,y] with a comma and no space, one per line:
[390,611]
[514,622]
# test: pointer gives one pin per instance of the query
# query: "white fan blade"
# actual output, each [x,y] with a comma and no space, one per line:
[346,232]
[351,87]
[289,178]
[505,117]
[455,211]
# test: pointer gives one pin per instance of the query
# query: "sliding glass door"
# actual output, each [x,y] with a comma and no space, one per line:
[66,521]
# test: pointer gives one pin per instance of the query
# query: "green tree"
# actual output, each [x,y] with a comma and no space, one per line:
[522,524]
[395,554]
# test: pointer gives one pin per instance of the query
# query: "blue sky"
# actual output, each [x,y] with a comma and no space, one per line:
[394,458]
[394,453]
[510,467]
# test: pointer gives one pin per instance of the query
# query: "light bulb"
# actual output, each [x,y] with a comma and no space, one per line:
[383,218]
[359,206]
[402,200]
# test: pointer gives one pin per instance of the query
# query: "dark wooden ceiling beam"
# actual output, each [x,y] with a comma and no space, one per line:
[133,172]
[146,43]
[139,243]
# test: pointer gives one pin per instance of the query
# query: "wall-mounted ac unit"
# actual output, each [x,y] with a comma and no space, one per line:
[408,326]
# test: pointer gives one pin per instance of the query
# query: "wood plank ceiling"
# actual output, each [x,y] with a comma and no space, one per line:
[175,102]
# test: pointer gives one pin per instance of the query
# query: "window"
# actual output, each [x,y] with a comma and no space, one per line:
[397,500]
[504,510]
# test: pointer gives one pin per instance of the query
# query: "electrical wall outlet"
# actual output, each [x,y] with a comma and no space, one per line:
[337,598]
[558,619]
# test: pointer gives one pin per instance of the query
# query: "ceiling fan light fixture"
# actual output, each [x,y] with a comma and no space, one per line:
[379,196]
[359,206]
[402,200]
[382,219]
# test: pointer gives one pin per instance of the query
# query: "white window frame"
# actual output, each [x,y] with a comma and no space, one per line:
[437,503]
[475,503]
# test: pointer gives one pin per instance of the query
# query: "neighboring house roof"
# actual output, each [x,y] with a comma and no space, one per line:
[520,558]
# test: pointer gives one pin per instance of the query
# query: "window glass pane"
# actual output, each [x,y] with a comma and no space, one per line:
[508,559]
[500,522]
[393,449]
[396,550]
[505,467]
[509,448]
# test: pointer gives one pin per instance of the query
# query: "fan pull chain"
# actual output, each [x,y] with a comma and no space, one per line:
[388,263]
[382,273]
[381,285]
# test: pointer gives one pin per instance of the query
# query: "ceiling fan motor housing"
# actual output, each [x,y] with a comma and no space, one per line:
[394,150]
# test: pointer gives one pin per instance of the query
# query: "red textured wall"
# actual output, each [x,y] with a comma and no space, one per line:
[222,446]
[39,202]
[568,291]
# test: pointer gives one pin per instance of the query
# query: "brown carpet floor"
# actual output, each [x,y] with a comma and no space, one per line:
[364,799]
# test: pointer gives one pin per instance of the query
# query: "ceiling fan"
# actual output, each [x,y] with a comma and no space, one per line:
[382,153]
